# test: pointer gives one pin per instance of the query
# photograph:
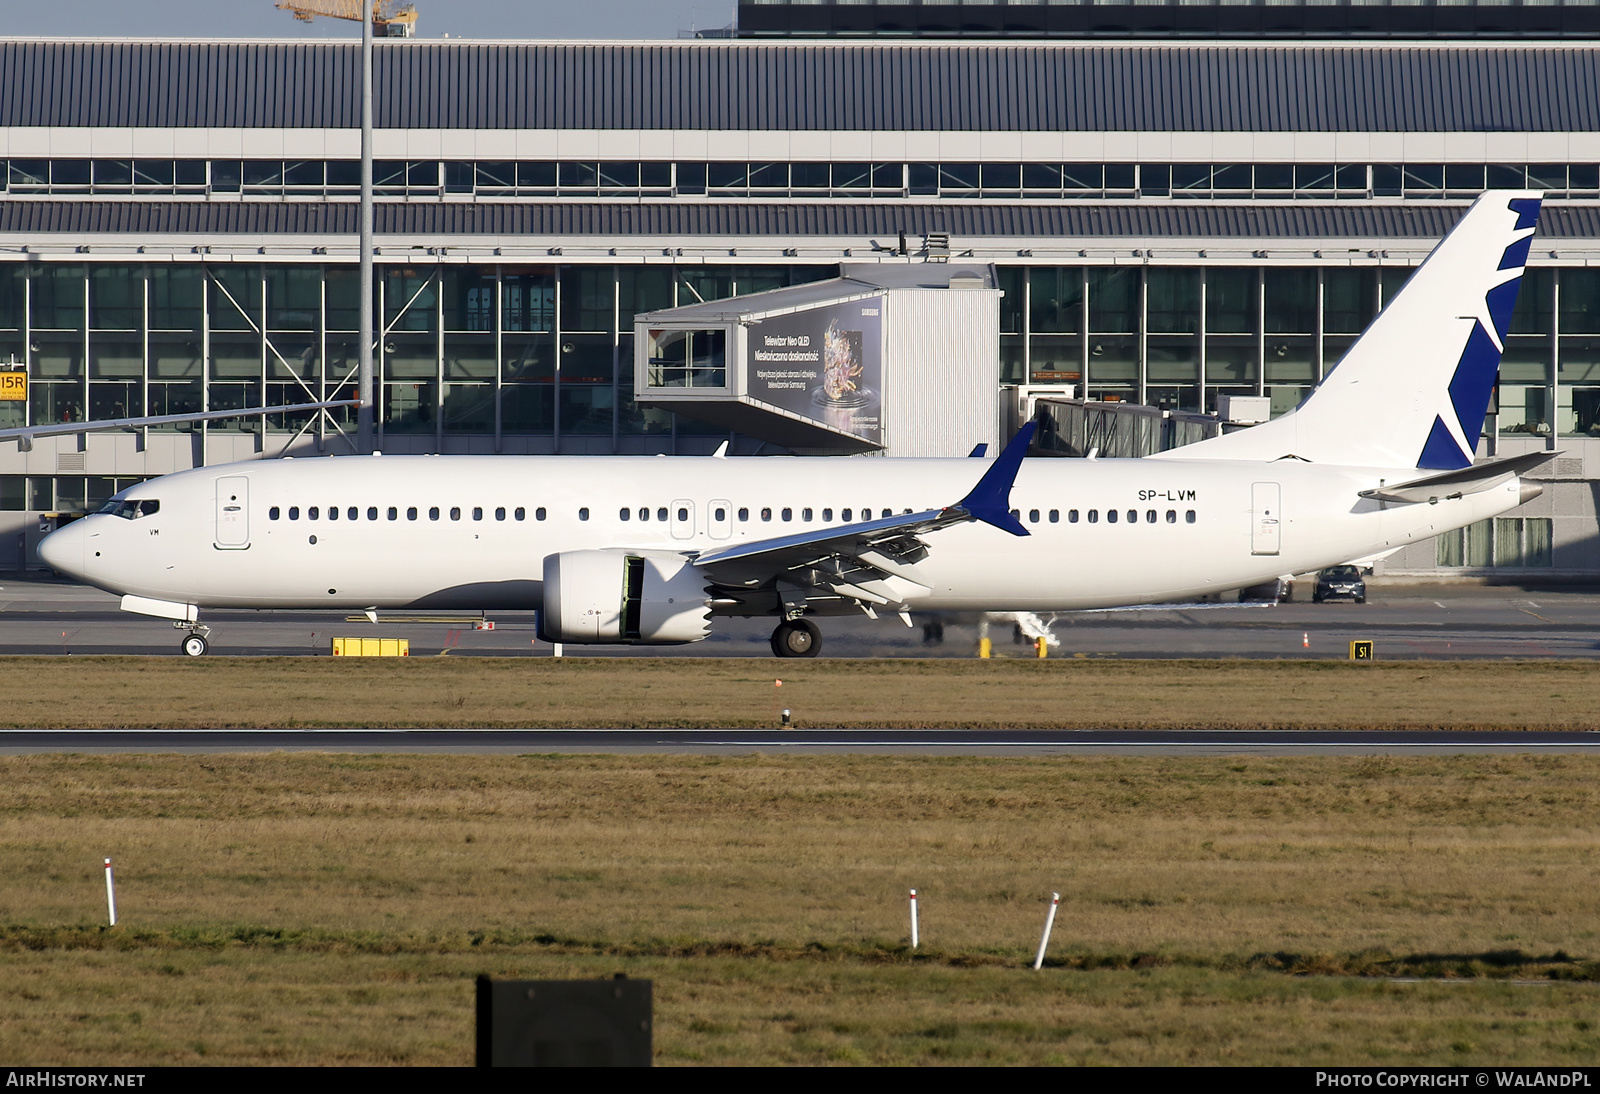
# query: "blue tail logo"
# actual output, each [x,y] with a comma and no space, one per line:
[1447,448]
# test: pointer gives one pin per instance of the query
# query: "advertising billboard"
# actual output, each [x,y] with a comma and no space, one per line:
[824,364]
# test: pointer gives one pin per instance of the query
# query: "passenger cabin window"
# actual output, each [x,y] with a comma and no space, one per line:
[394,513]
[1111,516]
[477,512]
[294,512]
[1094,516]
[644,514]
[683,514]
[538,514]
[844,515]
[583,514]
[827,516]
[500,513]
[311,513]
[372,513]
[1172,516]
[433,512]
[333,513]
[1055,516]
[272,514]
[355,514]
[625,514]
[1133,516]
[661,513]
[1189,517]
[766,514]
[455,512]
[520,513]
[720,514]
[1150,516]
[788,514]
[744,514]
[1072,516]
[1033,516]
[805,515]
[411,513]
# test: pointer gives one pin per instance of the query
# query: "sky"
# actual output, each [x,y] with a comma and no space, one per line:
[436,19]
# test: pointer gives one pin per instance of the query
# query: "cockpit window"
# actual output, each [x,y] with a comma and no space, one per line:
[129,509]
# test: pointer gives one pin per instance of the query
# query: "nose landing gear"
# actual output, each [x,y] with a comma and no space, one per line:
[796,638]
[194,643]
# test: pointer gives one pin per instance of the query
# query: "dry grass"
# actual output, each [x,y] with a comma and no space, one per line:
[315,908]
[114,692]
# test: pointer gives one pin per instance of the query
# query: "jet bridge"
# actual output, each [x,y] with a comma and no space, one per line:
[901,360]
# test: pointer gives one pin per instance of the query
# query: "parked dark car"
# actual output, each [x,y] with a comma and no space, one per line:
[1340,583]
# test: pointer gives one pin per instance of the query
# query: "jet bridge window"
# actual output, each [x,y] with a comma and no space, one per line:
[688,358]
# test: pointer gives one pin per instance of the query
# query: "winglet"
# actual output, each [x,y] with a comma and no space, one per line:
[990,500]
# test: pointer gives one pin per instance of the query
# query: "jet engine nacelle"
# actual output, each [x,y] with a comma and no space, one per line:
[648,597]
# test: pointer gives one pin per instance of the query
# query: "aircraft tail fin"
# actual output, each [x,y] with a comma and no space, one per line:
[1414,388]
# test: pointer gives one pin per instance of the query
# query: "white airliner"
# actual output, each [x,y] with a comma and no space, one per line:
[653,550]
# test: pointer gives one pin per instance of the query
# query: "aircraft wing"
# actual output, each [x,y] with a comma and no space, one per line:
[26,433]
[870,562]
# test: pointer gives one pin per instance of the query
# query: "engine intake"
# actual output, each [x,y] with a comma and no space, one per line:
[645,597]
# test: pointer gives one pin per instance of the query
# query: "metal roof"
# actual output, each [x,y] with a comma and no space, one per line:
[683,221]
[893,86]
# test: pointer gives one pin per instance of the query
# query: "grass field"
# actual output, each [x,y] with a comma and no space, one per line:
[313,908]
[94,692]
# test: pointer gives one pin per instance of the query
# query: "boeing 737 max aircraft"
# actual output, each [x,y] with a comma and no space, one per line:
[654,549]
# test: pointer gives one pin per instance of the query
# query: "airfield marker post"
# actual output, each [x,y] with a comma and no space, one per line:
[913,919]
[111,896]
[1044,940]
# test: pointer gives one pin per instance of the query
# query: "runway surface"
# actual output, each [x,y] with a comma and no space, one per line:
[796,742]
[1459,622]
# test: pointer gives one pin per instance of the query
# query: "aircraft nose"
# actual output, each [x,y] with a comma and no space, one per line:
[62,550]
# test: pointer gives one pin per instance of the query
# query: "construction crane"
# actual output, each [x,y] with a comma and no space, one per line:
[389,19]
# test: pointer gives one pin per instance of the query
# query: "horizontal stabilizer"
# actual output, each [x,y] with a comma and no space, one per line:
[1454,484]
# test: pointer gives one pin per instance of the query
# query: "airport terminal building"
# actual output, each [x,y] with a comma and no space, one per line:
[1161,223]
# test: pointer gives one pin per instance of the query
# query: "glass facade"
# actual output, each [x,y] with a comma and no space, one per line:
[480,350]
[498,350]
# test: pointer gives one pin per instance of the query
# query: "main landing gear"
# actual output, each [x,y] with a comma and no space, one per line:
[796,638]
[194,643]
